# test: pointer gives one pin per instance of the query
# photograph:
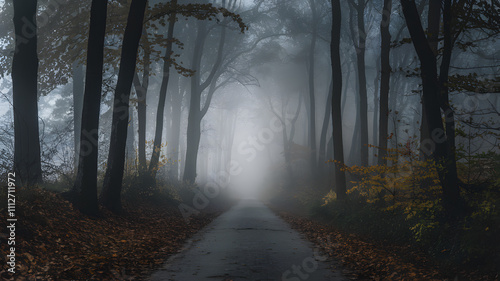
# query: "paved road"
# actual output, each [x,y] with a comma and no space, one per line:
[248,242]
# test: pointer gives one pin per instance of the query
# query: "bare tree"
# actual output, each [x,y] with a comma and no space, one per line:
[312,100]
[442,141]
[85,187]
[338,146]
[111,192]
[153,163]
[360,33]
[385,69]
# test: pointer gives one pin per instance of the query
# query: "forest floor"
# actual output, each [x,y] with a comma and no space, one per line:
[54,241]
[363,258]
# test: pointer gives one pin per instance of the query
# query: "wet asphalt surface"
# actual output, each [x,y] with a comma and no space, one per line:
[248,242]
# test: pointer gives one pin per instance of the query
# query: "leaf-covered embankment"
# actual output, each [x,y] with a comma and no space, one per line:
[54,241]
[366,259]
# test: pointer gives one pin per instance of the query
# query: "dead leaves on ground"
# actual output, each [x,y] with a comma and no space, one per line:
[366,260]
[56,242]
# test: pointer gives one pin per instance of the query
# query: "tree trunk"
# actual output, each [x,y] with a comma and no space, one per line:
[376,105]
[85,187]
[111,192]
[195,113]
[174,137]
[193,127]
[340,180]
[324,129]
[130,147]
[141,89]
[385,69]
[354,156]
[27,163]
[346,86]
[451,191]
[433,25]
[312,101]
[432,102]
[329,148]
[153,164]
[78,92]
[363,99]
[354,152]
[193,139]
[229,139]
[289,138]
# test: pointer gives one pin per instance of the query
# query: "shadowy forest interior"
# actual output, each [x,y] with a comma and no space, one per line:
[131,129]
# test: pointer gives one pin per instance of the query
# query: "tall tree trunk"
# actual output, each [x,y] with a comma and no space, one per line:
[141,89]
[340,180]
[329,148]
[153,164]
[85,186]
[130,147]
[112,186]
[193,141]
[27,162]
[354,156]
[433,26]
[229,137]
[376,105]
[78,92]
[354,152]
[288,138]
[432,96]
[312,101]
[174,137]
[385,69]
[194,120]
[324,129]
[195,113]
[346,86]
[363,98]
[451,191]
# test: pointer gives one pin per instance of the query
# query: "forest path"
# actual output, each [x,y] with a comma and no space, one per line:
[248,242]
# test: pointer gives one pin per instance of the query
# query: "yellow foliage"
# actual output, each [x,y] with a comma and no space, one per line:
[406,183]
[330,197]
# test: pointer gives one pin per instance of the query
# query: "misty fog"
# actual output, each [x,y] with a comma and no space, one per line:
[235,98]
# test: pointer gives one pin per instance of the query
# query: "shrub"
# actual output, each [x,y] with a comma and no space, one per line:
[404,197]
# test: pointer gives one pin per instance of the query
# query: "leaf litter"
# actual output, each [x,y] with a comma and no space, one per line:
[54,241]
[363,258]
